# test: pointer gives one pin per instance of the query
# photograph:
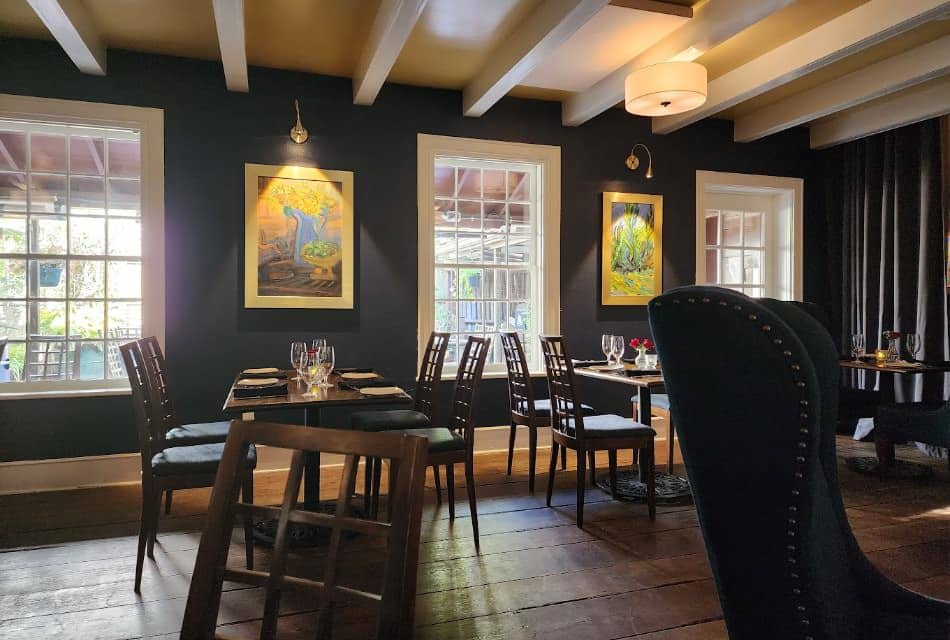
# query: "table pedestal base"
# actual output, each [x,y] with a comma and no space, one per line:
[899,469]
[302,535]
[670,489]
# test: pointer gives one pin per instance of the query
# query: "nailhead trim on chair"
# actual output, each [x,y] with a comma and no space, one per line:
[800,460]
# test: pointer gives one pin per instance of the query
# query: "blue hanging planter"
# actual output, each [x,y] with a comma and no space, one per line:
[50,274]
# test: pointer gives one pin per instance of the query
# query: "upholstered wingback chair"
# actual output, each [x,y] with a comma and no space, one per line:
[753,390]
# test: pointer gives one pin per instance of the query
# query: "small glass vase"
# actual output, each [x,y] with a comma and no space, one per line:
[893,349]
[641,359]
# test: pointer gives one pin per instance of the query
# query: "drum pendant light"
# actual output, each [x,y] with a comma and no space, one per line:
[665,89]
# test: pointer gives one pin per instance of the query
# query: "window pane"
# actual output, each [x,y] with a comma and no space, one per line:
[124,198]
[12,280]
[13,319]
[712,266]
[470,248]
[470,317]
[12,192]
[470,284]
[124,158]
[493,184]
[754,292]
[48,153]
[494,217]
[470,215]
[47,278]
[519,218]
[12,234]
[452,350]
[47,318]
[731,266]
[87,196]
[125,237]
[89,360]
[47,194]
[446,316]
[87,279]
[87,236]
[712,227]
[87,319]
[731,228]
[11,369]
[752,229]
[495,283]
[752,267]
[494,250]
[48,234]
[497,319]
[445,252]
[446,215]
[86,155]
[115,367]
[520,284]
[125,320]
[519,250]
[520,316]
[519,186]
[446,283]
[470,183]
[15,157]
[444,181]
[125,279]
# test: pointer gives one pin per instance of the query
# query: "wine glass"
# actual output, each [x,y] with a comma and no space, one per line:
[912,342]
[325,359]
[296,348]
[318,342]
[306,367]
[857,346]
[618,348]
[607,345]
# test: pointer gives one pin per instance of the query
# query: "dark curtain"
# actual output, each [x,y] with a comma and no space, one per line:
[887,251]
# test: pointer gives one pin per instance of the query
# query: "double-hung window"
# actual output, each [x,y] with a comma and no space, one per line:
[488,244]
[72,238]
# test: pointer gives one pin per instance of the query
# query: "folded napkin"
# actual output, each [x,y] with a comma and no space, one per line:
[263,372]
[588,363]
[381,391]
[603,367]
[358,375]
[904,364]
[256,382]
[353,370]
[259,387]
[357,385]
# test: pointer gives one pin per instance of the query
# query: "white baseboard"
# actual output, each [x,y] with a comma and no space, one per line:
[28,476]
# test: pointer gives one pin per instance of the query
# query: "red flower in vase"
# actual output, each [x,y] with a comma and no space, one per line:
[645,343]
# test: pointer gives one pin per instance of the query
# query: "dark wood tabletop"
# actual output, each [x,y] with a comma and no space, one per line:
[295,398]
[884,367]
[619,375]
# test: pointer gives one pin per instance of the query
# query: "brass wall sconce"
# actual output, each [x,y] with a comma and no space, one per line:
[633,161]
[298,133]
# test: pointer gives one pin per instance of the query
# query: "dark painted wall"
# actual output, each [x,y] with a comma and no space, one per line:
[209,135]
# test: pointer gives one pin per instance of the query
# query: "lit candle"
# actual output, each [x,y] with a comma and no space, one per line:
[880,355]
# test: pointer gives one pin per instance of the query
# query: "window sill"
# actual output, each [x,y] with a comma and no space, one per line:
[64,393]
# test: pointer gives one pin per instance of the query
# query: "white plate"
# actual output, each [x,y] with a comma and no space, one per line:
[353,375]
[257,382]
[380,391]
[252,372]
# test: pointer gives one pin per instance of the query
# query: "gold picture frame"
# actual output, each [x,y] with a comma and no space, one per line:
[632,248]
[298,237]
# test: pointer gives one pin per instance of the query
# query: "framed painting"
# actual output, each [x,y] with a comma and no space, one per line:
[632,250]
[298,237]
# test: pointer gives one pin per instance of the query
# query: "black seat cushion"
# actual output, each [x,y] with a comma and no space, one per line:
[612,426]
[542,408]
[389,420]
[441,439]
[196,459]
[658,400]
[198,433]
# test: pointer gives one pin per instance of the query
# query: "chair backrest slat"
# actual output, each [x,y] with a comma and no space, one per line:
[157,372]
[520,392]
[566,415]
[396,602]
[467,380]
[151,432]
[430,373]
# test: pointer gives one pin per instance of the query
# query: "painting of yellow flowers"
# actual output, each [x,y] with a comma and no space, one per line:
[632,258]
[298,237]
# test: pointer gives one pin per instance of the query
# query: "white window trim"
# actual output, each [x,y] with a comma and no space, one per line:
[791,189]
[150,123]
[549,265]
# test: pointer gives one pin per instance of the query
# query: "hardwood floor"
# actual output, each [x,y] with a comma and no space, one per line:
[67,558]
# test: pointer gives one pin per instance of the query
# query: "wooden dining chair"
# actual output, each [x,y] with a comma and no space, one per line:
[176,433]
[166,468]
[585,434]
[394,602]
[524,409]
[455,444]
[420,416]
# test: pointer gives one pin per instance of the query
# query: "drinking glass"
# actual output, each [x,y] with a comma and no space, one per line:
[618,348]
[296,348]
[307,368]
[325,360]
[912,341]
[607,345]
[857,346]
[318,342]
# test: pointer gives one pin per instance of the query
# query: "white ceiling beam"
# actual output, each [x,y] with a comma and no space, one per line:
[548,27]
[70,24]
[919,103]
[865,26]
[394,22]
[229,21]
[891,75]
[713,23]
[655,6]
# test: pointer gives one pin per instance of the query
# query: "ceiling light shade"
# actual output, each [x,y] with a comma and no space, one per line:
[665,89]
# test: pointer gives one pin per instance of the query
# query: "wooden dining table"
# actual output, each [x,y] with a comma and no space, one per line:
[311,405]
